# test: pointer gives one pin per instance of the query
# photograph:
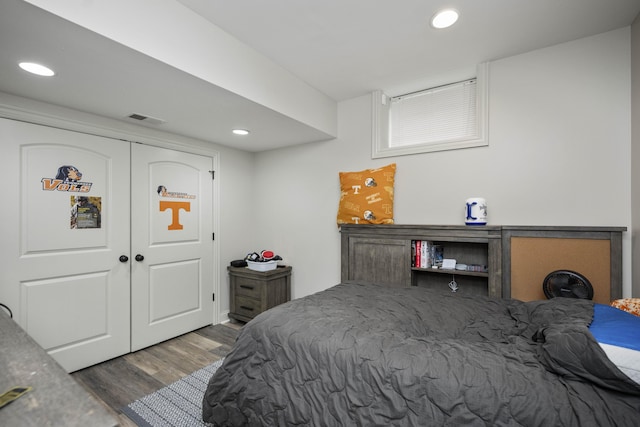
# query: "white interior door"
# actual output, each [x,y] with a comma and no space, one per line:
[64,227]
[172,244]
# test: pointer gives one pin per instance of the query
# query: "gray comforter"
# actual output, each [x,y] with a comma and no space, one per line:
[366,355]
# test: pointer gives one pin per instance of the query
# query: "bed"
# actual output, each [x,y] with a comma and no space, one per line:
[364,354]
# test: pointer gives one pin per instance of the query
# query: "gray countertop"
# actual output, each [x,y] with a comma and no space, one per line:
[56,399]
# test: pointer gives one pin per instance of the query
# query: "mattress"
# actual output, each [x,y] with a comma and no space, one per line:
[618,334]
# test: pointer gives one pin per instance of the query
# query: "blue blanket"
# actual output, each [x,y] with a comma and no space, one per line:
[615,327]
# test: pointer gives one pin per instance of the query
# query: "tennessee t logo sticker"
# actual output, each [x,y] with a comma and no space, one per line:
[175,212]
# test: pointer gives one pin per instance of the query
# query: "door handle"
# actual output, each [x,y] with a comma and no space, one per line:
[123,258]
[139,258]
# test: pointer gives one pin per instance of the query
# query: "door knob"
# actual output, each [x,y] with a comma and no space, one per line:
[123,258]
[139,258]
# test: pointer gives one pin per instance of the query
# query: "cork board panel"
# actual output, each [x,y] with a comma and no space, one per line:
[532,258]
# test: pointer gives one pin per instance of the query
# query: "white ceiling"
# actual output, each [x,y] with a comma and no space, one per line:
[344,48]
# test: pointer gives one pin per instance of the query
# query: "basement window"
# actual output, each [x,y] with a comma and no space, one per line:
[446,117]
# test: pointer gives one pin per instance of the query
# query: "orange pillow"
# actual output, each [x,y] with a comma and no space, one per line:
[630,305]
[366,197]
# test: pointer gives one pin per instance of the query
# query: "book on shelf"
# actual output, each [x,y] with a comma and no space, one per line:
[437,255]
[425,259]
[413,253]
[426,254]
[421,254]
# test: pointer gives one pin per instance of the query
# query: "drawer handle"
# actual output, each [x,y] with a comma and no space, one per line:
[246,287]
[246,308]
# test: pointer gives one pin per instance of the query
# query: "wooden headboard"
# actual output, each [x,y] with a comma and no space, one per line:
[517,258]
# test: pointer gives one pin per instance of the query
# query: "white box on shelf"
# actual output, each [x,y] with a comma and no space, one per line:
[448,264]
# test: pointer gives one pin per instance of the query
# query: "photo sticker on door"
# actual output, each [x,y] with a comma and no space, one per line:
[86,212]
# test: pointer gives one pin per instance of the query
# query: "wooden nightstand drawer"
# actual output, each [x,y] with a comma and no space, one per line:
[249,288]
[248,307]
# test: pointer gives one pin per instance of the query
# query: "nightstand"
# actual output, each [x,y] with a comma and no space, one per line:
[253,292]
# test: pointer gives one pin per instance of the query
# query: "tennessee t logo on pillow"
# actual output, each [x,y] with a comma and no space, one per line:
[366,197]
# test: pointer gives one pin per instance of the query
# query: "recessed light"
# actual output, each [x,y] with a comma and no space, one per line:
[444,18]
[38,69]
[241,132]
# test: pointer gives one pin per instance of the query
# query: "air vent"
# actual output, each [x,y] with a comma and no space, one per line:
[146,119]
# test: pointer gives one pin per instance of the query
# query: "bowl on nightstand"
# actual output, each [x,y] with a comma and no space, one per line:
[262,266]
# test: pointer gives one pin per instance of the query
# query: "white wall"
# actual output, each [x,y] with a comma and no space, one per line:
[236,225]
[635,151]
[559,137]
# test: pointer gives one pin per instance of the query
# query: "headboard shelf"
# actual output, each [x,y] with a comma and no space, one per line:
[517,258]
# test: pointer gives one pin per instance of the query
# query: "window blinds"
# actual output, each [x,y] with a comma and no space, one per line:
[444,113]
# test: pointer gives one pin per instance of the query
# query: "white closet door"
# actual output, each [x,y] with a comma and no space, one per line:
[65,225]
[172,244]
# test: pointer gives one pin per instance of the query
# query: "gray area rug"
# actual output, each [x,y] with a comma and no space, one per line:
[176,405]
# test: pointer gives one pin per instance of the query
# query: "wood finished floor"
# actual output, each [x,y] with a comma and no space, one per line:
[120,381]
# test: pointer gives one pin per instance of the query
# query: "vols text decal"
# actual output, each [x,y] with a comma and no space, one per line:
[67,179]
[174,206]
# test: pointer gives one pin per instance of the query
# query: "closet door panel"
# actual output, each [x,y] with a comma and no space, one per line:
[63,234]
[172,244]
